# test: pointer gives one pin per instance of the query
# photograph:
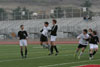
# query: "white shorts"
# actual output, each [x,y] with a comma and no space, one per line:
[23,42]
[53,38]
[93,46]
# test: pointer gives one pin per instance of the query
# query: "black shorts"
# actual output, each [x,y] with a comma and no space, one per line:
[82,46]
[43,38]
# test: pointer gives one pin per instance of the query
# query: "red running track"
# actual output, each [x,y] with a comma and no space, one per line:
[34,42]
[89,66]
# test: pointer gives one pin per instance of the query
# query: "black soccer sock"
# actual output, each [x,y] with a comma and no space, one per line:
[94,52]
[56,49]
[22,53]
[51,49]
[25,51]
[91,54]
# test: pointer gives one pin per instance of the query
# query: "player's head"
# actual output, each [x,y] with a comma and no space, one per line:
[90,30]
[22,27]
[54,22]
[46,24]
[94,33]
[85,31]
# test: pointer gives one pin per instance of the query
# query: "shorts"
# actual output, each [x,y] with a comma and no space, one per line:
[23,42]
[53,38]
[43,38]
[93,46]
[82,46]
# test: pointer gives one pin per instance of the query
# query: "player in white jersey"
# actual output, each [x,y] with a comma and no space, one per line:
[83,42]
[44,35]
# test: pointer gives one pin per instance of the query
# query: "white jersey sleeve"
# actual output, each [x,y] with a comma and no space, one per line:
[79,36]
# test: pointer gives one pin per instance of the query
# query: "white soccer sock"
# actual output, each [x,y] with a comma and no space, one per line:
[81,53]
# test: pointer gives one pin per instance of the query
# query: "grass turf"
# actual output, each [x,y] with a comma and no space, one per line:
[38,57]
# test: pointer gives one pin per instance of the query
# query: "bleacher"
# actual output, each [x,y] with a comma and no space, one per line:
[69,27]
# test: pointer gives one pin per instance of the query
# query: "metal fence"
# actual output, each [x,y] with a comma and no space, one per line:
[55,13]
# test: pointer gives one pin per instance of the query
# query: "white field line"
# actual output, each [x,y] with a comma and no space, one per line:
[80,65]
[32,58]
[55,65]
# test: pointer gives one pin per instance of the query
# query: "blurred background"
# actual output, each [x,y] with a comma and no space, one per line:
[72,15]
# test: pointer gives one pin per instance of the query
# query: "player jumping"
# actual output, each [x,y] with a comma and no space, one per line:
[44,36]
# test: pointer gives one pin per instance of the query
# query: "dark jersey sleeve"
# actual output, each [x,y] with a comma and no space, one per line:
[97,39]
[55,29]
[19,34]
[41,30]
[26,33]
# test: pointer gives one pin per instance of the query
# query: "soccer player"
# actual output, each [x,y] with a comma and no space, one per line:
[23,36]
[94,44]
[44,36]
[53,37]
[82,42]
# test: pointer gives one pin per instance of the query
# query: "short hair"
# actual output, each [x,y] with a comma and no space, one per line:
[85,30]
[95,32]
[46,23]
[21,25]
[90,29]
[54,20]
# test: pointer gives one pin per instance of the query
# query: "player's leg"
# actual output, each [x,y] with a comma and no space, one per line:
[48,45]
[51,49]
[77,50]
[53,39]
[43,39]
[42,44]
[91,51]
[21,51]
[55,47]
[25,44]
[83,49]
[21,48]
[95,49]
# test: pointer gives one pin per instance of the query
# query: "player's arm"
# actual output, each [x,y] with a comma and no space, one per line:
[98,40]
[41,30]
[78,37]
[19,35]
[55,29]
[26,34]
[87,38]
[49,29]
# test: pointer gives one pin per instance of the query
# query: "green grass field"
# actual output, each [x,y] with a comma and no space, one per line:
[38,57]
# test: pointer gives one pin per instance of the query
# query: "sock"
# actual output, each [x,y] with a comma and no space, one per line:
[45,46]
[21,53]
[94,52]
[25,51]
[51,49]
[76,51]
[91,54]
[56,49]
[81,53]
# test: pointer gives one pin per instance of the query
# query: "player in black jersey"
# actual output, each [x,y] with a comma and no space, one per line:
[23,36]
[94,44]
[53,37]
[90,35]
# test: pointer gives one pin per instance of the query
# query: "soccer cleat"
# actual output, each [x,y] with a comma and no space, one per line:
[79,57]
[90,58]
[50,54]
[25,56]
[22,57]
[56,54]
[75,55]
[49,46]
